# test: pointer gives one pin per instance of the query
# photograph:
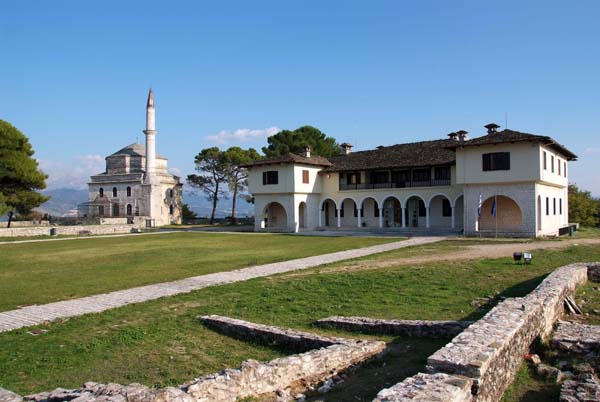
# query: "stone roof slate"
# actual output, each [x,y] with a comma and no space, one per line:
[291,158]
[511,136]
[416,154]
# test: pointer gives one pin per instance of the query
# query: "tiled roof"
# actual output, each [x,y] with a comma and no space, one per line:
[511,136]
[424,153]
[291,158]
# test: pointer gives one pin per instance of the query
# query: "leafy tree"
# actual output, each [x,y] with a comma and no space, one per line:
[295,141]
[583,208]
[187,214]
[210,162]
[20,177]
[237,176]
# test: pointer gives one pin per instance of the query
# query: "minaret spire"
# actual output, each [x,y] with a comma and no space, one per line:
[150,133]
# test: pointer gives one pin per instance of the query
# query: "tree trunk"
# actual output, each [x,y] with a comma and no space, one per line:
[10,216]
[235,191]
[214,206]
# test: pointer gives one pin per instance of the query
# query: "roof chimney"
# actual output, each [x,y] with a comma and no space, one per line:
[453,136]
[492,128]
[462,135]
[307,151]
[346,148]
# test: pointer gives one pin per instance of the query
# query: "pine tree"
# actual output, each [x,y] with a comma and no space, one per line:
[20,178]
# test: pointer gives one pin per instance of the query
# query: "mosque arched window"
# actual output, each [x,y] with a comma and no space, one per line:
[129,209]
[128,191]
[171,209]
[171,193]
[114,191]
[101,192]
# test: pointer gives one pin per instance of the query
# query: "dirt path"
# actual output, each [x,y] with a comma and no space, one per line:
[472,252]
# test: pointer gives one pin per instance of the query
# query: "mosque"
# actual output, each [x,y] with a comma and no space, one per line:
[136,184]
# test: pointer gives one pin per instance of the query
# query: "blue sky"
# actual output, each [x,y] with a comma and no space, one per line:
[74,75]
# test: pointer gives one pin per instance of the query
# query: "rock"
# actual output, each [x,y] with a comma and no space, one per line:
[535,359]
[583,368]
[300,397]
[326,387]
[543,370]
[567,375]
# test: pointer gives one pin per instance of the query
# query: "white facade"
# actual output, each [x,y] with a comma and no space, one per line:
[136,183]
[520,196]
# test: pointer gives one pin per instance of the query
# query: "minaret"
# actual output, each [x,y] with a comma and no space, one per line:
[150,133]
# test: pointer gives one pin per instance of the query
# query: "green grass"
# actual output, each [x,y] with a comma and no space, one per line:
[35,273]
[529,387]
[161,342]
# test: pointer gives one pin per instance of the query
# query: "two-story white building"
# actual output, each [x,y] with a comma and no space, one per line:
[504,183]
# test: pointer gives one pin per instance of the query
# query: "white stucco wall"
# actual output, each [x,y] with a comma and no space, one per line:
[549,222]
[285,182]
[524,164]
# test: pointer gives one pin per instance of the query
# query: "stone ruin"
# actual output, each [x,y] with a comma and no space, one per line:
[476,366]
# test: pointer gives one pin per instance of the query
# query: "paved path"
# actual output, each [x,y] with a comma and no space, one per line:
[38,314]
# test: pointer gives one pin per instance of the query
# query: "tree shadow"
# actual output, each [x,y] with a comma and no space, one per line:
[517,290]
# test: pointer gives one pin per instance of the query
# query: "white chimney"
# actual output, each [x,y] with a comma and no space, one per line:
[492,128]
[307,151]
[346,148]
[462,135]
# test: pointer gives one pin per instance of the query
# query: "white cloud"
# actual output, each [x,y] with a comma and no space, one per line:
[241,135]
[592,151]
[175,171]
[71,174]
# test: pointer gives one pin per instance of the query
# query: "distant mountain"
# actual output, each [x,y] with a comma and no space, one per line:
[64,200]
[201,206]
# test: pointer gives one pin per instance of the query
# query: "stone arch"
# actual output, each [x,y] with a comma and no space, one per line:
[339,204]
[414,196]
[302,214]
[428,203]
[275,216]
[369,208]
[325,200]
[507,218]
[347,206]
[458,197]
[328,213]
[415,211]
[440,211]
[393,209]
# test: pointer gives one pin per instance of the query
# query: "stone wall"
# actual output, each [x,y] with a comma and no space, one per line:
[429,388]
[416,328]
[253,378]
[288,338]
[66,230]
[23,224]
[594,272]
[490,351]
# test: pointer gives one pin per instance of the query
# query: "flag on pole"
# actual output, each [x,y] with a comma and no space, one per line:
[479,205]
[494,207]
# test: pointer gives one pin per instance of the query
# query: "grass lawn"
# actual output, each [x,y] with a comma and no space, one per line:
[35,273]
[162,343]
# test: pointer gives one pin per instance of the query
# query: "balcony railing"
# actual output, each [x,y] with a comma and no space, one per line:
[401,184]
